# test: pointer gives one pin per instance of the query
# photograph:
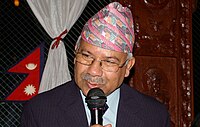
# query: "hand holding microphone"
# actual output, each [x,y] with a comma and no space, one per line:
[97,125]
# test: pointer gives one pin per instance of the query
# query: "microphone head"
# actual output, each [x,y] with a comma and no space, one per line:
[96,98]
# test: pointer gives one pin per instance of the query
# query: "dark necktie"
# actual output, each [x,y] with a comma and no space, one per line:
[105,108]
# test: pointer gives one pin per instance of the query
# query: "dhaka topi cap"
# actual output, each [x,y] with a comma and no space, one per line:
[111,28]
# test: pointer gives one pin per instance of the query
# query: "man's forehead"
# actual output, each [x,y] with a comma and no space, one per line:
[87,47]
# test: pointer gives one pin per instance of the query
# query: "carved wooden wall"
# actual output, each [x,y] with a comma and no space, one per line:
[163,52]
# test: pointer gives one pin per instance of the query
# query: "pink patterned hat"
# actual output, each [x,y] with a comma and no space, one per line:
[111,28]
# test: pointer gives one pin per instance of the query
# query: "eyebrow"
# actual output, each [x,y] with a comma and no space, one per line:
[107,57]
[113,58]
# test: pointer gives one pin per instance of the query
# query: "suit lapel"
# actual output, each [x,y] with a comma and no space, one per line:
[128,108]
[72,111]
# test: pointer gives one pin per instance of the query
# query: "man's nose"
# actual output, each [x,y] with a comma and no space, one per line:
[95,68]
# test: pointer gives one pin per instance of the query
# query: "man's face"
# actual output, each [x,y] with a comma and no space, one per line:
[92,76]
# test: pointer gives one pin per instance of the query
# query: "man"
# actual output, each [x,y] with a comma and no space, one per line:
[103,59]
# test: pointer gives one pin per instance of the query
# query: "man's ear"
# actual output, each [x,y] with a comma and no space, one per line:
[77,46]
[129,66]
[78,43]
[74,60]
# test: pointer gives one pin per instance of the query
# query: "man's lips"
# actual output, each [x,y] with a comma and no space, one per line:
[92,85]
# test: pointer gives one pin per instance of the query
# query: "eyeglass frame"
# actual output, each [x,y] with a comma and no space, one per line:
[93,59]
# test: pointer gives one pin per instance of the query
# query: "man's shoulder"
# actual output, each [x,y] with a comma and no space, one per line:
[143,107]
[143,101]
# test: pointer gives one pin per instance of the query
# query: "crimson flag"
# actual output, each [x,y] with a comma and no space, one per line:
[32,66]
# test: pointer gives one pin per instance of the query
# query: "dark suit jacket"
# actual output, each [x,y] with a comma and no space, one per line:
[63,107]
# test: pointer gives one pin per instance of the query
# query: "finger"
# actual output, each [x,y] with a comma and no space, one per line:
[96,125]
[108,125]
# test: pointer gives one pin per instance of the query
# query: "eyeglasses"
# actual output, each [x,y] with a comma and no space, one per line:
[107,65]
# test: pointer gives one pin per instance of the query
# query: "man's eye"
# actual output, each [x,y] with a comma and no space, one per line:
[86,56]
[109,62]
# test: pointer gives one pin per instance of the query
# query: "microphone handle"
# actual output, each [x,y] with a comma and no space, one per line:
[96,116]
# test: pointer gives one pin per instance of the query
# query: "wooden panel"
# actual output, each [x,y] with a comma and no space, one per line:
[163,51]
[157,77]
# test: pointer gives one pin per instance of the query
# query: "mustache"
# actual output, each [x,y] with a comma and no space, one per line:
[93,79]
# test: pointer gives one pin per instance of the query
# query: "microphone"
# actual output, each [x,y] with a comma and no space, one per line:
[96,102]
